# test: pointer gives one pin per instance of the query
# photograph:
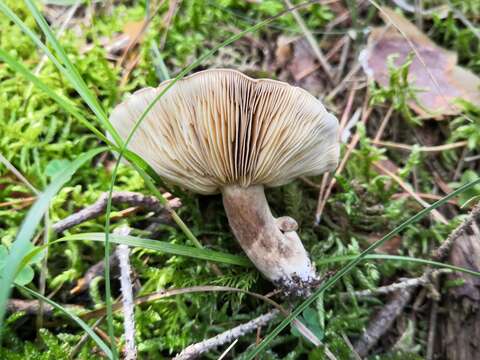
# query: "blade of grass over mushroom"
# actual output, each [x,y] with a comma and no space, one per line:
[182,74]
[74,317]
[20,246]
[124,146]
[352,264]
[225,258]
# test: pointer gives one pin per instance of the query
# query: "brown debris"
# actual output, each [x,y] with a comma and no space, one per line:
[295,59]
[460,323]
[382,321]
[433,71]
[148,203]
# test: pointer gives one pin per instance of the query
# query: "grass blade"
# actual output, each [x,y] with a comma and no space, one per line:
[20,246]
[63,102]
[161,246]
[71,72]
[68,70]
[347,268]
[438,264]
[74,317]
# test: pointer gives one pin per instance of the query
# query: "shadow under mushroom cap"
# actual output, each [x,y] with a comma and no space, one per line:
[220,127]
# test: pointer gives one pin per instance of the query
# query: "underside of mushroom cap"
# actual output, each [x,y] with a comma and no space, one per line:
[220,127]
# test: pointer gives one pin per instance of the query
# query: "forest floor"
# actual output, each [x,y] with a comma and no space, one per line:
[410,134]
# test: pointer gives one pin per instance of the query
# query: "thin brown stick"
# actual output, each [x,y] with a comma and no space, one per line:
[353,143]
[426,196]
[138,35]
[167,20]
[435,213]
[443,250]
[383,125]
[32,307]
[326,176]
[401,285]
[149,203]
[382,321]
[84,338]
[311,40]
[22,201]
[343,59]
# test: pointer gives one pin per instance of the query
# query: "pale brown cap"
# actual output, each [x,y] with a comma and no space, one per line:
[219,127]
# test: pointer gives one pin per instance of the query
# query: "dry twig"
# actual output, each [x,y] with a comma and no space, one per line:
[382,321]
[444,249]
[149,203]
[32,307]
[311,40]
[195,350]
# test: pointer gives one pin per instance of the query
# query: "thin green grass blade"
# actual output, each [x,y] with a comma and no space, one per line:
[63,102]
[164,247]
[335,259]
[74,317]
[29,225]
[71,71]
[347,268]
[71,75]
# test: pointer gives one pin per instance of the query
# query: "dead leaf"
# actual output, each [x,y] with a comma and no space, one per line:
[283,52]
[296,59]
[435,100]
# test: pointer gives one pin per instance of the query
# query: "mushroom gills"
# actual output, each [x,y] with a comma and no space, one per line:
[280,256]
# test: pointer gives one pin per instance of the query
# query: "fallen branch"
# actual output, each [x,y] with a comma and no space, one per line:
[382,321]
[32,307]
[93,272]
[195,350]
[404,284]
[149,203]
[443,250]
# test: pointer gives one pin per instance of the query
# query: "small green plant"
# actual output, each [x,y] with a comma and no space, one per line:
[467,127]
[399,91]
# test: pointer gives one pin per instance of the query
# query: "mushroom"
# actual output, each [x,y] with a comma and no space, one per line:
[221,131]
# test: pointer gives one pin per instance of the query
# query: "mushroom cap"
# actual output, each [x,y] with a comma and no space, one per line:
[219,127]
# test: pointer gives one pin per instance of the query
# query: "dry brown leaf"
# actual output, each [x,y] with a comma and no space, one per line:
[435,100]
[295,57]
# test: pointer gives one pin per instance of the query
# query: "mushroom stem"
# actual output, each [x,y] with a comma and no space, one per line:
[279,255]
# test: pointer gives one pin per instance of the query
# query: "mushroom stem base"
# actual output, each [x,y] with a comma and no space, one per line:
[279,255]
